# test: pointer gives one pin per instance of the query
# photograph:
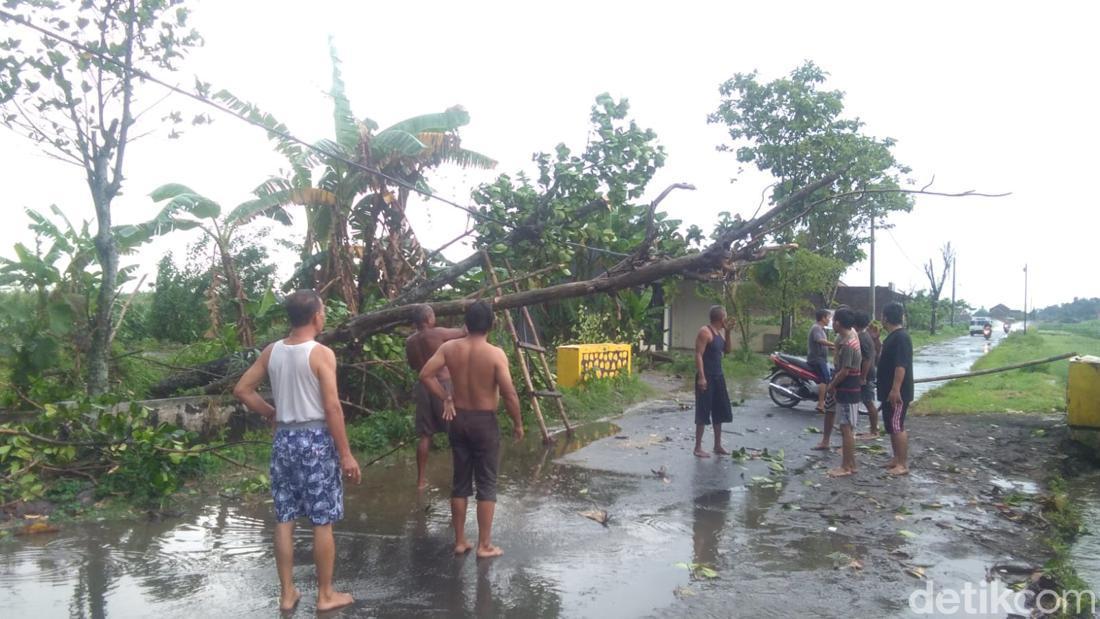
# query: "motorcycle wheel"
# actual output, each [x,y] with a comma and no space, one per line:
[788,382]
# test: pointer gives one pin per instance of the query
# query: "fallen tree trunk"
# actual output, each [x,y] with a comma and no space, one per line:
[715,257]
[526,231]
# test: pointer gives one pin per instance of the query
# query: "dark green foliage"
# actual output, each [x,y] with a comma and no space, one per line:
[122,450]
[795,131]
[177,313]
[380,430]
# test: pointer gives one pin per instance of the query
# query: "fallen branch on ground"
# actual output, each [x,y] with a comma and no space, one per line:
[1006,368]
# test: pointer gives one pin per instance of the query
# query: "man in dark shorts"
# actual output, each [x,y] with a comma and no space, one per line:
[869,355]
[479,377]
[712,400]
[429,410]
[817,355]
[845,384]
[310,449]
[895,384]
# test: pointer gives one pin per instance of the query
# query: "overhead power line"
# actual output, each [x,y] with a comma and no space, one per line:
[19,20]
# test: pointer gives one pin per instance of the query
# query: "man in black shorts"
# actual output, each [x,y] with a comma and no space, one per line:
[869,355]
[479,377]
[429,409]
[895,384]
[712,399]
[817,355]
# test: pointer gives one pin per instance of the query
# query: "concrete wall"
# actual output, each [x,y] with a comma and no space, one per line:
[688,311]
[204,415]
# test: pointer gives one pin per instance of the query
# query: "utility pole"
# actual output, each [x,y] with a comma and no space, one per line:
[954,267]
[873,295]
[1025,298]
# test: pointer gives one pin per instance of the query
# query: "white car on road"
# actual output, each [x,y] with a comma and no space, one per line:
[978,323]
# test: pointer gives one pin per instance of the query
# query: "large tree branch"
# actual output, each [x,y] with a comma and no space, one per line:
[530,228]
[716,257]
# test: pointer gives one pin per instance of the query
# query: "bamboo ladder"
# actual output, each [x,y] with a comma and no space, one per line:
[535,347]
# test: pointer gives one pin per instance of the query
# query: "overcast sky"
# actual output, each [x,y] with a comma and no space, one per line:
[990,96]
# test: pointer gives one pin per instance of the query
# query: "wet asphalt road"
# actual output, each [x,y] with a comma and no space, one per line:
[394,546]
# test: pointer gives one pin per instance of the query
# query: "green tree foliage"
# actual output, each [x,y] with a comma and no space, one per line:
[80,107]
[787,279]
[185,209]
[795,131]
[53,340]
[122,448]
[583,213]
[1078,310]
[177,313]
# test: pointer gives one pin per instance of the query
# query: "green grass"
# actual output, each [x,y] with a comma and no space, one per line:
[596,399]
[735,365]
[947,332]
[1038,389]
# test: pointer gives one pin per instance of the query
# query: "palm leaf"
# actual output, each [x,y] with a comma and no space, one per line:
[304,267]
[275,130]
[463,158]
[169,191]
[396,142]
[347,131]
[273,204]
[449,120]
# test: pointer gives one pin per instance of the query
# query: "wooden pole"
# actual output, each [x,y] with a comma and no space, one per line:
[1006,368]
[519,352]
[550,382]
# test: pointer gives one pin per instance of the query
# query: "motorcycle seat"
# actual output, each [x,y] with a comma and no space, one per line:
[795,361]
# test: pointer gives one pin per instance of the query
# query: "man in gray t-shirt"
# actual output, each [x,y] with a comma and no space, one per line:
[817,355]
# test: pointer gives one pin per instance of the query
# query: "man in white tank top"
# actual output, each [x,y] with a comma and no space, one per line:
[310,450]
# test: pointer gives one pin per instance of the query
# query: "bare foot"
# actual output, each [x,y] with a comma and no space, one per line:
[699,453]
[287,601]
[891,464]
[898,470]
[421,484]
[488,553]
[820,447]
[333,601]
[866,436]
[721,452]
[463,547]
[840,471]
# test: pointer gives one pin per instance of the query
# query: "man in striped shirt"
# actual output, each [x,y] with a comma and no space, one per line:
[846,386]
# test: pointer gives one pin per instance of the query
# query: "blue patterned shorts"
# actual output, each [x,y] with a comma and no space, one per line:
[305,476]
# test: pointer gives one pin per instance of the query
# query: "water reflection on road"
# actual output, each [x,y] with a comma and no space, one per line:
[394,546]
[954,356]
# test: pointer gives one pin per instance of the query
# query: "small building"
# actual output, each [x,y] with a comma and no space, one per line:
[688,308]
[859,298]
[1001,311]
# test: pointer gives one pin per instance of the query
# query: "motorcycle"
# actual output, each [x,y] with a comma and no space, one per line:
[791,381]
[987,331]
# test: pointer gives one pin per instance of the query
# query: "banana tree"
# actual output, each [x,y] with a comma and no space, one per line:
[354,215]
[186,209]
[56,270]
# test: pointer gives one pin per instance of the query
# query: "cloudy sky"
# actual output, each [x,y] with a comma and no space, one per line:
[990,96]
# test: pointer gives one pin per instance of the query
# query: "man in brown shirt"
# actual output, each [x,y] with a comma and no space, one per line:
[429,409]
[479,376]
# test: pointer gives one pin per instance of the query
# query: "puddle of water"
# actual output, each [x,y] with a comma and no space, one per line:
[1085,552]
[1021,486]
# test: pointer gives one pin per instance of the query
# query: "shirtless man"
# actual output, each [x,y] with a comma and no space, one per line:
[479,376]
[429,409]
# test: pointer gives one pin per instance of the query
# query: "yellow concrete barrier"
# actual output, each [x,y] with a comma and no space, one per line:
[579,362]
[1083,401]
